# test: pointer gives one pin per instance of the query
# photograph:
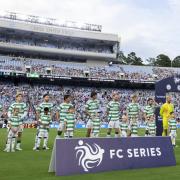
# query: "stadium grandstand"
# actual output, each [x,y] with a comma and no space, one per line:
[67,58]
[30,45]
[30,37]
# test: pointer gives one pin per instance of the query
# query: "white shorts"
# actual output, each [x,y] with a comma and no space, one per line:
[43,133]
[11,134]
[151,135]
[134,135]
[173,134]
[123,134]
[114,124]
[94,135]
[68,134]
[89,124]
[21,129]
[61,126]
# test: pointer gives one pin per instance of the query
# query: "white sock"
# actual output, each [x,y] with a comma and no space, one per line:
[173,141]
[36,139]
[18,145]
[45,142]
[38,142]
[13,142]
[8,145]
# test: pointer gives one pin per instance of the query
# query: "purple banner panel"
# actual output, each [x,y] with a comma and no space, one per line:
[91,155]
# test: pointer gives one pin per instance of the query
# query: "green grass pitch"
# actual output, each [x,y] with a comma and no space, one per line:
[32,165]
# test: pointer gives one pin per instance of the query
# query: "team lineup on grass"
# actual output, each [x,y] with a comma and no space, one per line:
[65,115]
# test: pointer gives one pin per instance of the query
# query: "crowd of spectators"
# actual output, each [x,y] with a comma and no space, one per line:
[33,96]
[113,72]
[162,73]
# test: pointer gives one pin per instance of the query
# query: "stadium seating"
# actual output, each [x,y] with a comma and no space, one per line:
[127,72]
[33,96]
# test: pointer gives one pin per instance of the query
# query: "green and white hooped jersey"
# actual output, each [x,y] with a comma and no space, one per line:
[113,108]
[15,121]
[92,106]
[124,126]
[133,110]
[70,121]
[96,125]
[43,105]
[134,129]
[152,128]
[63,110]
[149,110]
[172,125]
[45,120]
[22,109]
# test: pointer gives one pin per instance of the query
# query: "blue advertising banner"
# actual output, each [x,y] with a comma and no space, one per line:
[91,155]
[103,126]
[170,84]
[78,125]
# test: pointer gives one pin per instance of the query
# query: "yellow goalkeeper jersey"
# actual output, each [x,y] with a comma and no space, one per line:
[166,109]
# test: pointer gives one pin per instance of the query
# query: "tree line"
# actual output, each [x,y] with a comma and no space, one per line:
[161,60]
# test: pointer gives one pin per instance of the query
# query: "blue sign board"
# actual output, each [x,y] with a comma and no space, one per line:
[91,155]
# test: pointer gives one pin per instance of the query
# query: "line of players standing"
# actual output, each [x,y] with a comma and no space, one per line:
[65,115]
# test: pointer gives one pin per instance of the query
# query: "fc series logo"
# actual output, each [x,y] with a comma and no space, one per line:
[91,156]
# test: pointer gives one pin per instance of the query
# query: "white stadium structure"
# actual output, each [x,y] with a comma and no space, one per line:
[29,35]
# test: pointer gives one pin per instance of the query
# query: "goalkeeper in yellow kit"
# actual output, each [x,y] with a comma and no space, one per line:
[165,111]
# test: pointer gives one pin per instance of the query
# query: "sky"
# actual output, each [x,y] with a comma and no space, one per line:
[147,27]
